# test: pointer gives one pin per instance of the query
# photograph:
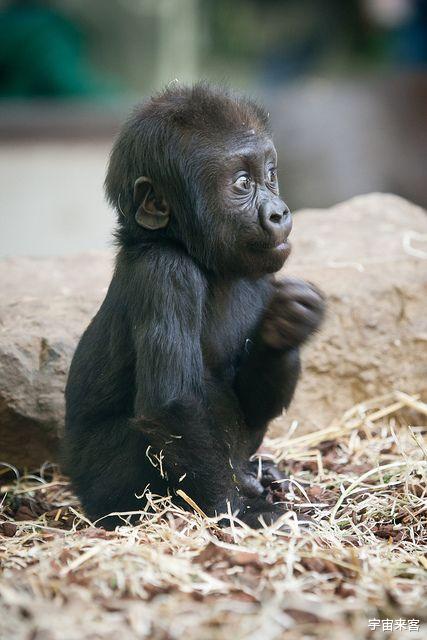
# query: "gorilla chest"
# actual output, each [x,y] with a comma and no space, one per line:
[231,316]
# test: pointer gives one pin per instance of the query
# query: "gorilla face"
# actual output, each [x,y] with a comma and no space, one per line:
[257,221]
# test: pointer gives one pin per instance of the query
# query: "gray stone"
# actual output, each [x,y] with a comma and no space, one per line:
[45,304]
[361,253]
[369,255]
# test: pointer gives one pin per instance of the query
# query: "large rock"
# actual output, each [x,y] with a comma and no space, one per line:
[364,254]
[369,255]
[45,304]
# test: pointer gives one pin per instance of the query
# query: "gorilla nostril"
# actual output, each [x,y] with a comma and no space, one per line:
[276,218]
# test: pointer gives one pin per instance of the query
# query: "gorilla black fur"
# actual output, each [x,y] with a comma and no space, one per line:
[196,346]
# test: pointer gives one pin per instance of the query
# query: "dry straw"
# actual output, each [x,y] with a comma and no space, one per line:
[361,481]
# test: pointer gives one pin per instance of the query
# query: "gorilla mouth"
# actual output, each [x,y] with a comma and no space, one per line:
[281,246]
[278,246]
[283,249]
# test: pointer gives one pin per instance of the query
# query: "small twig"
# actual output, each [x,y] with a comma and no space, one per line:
[363,477]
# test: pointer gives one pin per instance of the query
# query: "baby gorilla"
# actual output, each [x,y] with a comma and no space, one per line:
[196,345]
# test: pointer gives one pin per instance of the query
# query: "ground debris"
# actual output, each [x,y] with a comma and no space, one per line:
[361,484]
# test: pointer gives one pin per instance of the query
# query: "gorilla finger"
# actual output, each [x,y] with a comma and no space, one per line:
[309,298]
[304,294]
[296,312]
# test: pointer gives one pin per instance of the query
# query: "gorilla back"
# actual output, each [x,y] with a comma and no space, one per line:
[196,345]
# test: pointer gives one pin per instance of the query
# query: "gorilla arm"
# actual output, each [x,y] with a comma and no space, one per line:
[266,381]
[170,396]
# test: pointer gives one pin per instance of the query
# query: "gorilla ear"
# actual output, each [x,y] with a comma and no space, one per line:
[153,212]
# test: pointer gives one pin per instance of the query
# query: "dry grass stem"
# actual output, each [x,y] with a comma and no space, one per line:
[362,484]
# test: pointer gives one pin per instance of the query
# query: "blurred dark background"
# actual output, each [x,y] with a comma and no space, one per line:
[345,83]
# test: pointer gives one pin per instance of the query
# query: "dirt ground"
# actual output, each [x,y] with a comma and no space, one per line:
[357,570]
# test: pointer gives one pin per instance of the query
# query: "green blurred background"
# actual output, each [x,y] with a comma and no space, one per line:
[344,80]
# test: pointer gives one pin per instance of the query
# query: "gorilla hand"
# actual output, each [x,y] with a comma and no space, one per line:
[296,310]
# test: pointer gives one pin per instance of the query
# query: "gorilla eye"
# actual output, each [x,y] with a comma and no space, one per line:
[244,182]
[272,175]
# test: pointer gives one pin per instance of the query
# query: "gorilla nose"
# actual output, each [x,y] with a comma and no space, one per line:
[276,218]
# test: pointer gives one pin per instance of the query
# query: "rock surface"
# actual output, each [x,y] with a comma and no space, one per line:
[45,305]
[368,254]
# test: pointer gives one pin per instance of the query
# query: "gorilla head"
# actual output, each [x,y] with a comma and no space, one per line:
[198,165]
